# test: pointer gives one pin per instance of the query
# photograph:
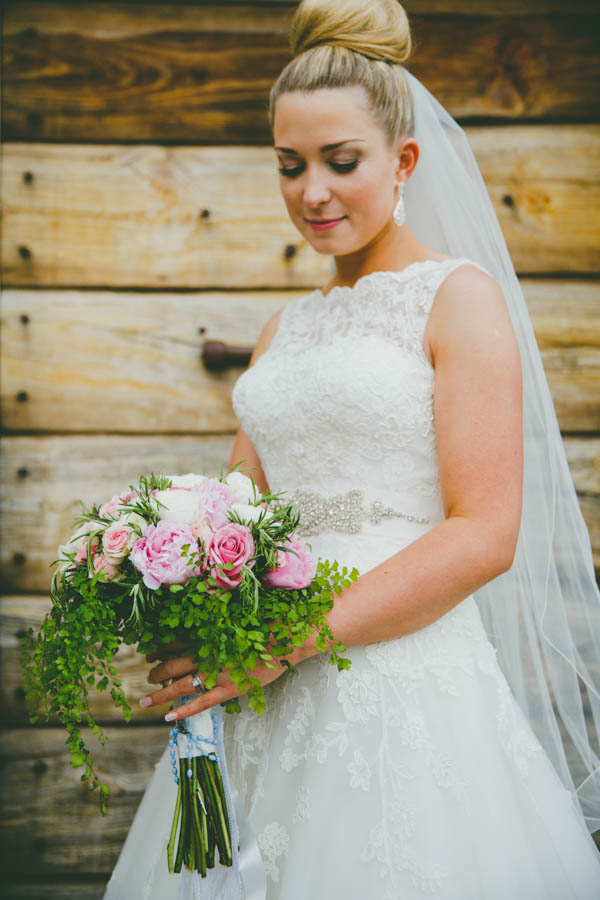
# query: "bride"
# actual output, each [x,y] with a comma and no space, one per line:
[405,408]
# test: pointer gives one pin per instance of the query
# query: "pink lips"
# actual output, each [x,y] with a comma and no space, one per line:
[324,224]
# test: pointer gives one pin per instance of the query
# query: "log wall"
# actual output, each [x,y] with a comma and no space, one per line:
[142,217]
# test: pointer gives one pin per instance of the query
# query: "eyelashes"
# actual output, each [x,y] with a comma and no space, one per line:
[338,167]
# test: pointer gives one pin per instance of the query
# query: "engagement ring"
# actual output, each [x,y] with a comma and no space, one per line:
[197,683]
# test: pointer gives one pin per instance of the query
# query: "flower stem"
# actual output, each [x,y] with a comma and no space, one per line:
[213,807]
[197,829]
[183,831]
[211,766]
[221,789]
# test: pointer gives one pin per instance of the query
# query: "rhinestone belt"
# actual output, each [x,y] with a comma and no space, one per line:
[342,512]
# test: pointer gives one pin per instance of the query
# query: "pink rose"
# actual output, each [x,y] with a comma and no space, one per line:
[292,571]
[117,541]
[108,571]
[158,555]
[232,543]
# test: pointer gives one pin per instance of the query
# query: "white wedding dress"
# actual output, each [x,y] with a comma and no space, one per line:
[414,772]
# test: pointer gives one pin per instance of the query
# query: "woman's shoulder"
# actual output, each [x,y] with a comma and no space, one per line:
[468,307]
[454,277]
[468,268]
[462,277]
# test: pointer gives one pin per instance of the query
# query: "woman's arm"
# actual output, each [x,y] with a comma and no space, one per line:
[478,418]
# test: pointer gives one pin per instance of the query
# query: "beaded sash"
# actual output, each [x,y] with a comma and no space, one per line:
[342,512]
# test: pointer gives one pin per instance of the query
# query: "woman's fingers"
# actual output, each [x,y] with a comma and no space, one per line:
[183,687]
[172,668]
[178,688]
[215,695]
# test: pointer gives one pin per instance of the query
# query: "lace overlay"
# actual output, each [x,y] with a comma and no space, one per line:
[349,379]
[413,773]
[404,754]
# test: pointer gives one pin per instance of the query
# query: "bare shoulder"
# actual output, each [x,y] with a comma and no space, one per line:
[469,311]
[266,335]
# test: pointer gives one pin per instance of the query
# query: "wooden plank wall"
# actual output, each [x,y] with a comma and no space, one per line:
[142,216]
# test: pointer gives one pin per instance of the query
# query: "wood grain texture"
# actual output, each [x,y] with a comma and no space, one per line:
[148,216]
[63,470]
[51,823]
[181,73]
[213,217]
[125,362]
[38,509]
[108,361]
[565,315]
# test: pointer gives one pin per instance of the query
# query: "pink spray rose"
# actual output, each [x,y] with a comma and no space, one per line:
[82,552]
[108,571]
[117,541]
[292,571]
[232,543]
[79,540]
[158,555]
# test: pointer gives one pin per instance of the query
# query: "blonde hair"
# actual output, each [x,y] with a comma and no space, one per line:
[342,43]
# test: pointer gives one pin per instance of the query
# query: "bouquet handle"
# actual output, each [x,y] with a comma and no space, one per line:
[246,878]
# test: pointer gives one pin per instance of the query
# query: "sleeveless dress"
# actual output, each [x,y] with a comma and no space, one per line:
[413,773]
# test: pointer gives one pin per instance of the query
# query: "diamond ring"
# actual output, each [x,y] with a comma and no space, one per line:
[197,683]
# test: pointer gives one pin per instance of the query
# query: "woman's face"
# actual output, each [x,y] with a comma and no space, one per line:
[335,164]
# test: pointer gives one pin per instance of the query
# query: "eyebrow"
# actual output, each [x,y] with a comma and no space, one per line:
[323,148]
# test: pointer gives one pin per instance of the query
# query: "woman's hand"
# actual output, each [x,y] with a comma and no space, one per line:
[176,675]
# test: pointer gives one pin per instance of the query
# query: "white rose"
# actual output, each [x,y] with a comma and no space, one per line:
[241,486]
[249,513]
[179,506]
[186,481]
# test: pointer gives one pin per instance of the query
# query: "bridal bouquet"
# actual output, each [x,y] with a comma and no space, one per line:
[208,561]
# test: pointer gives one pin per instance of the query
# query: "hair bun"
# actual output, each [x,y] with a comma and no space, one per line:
[379,29]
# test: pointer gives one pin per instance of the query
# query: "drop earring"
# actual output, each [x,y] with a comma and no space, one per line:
[399,211]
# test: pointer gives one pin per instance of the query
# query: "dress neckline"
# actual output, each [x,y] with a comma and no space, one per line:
[380,272]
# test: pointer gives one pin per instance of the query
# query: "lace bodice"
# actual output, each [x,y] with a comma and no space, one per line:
[347,389]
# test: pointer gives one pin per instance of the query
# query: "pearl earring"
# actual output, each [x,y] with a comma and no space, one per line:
[399,211]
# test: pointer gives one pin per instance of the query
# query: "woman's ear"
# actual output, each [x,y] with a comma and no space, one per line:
[408,155]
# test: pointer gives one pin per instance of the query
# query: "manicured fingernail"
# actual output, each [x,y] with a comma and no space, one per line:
[145,701]
[171,716]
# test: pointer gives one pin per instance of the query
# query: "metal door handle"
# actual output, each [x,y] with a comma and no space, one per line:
[217,355]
